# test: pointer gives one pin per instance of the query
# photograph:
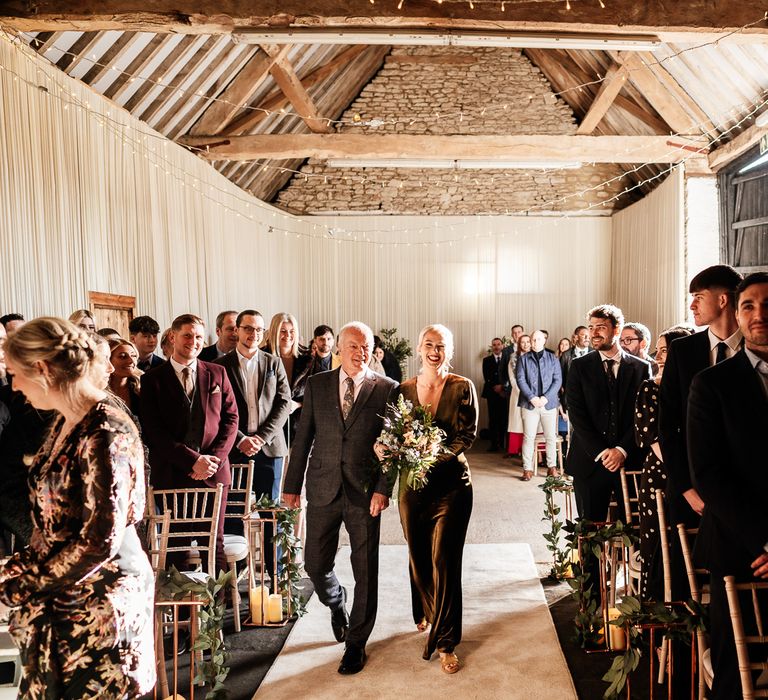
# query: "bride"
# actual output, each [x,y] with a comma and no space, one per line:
[435,518]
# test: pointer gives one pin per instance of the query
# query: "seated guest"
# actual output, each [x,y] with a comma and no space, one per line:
[538,378]
[226,337]
[166,347]
[83,589]
[83,318]
[282,339]
[124,382]
[727,417]
[654,477]
[12,321]
[515,418]
[142,332]
[323,358]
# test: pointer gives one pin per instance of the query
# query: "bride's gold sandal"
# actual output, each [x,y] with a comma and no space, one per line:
[449,662]
[423,625]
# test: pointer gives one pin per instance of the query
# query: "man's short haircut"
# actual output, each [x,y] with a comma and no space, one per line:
[545,332]
[322,329]
[5,320]
[608,312]
[143,324]
[755,278]
[499,339]
[247,312]
[675,332]
[186,319]
[579,328]
[517,325]
[106,332]
[641,330]
[715,277]
[220,318]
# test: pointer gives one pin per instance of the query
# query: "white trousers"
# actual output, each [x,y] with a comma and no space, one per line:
[531,419]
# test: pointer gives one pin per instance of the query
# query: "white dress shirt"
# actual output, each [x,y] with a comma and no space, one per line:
[358,381]
[733,343]
[179,368]
[249,371]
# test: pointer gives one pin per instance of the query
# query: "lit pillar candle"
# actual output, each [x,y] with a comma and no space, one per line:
[618,636]
[275,608]
[258,603]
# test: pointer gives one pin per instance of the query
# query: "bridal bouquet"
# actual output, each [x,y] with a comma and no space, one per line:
[412,442]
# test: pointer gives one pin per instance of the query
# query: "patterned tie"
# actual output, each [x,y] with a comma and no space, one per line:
[189,386]
[349,398]
[721,350]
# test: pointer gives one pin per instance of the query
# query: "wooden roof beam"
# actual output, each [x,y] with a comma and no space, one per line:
[237,94]
[612,84]
[287,80]
[670,21]
[555,148]
[722,156]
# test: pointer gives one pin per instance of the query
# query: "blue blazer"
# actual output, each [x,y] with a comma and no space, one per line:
[527,373]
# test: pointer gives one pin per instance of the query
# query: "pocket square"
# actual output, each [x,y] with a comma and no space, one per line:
[216,389]
[270,373]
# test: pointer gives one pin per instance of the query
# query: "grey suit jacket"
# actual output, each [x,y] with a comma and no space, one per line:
[332,453]
[274,400]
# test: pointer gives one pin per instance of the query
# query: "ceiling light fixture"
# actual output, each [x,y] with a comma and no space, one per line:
[448,164]
[527,40]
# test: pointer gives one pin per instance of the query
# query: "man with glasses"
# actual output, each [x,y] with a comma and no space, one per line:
[263,398]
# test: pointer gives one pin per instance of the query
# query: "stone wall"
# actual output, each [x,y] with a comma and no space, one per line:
[448,91]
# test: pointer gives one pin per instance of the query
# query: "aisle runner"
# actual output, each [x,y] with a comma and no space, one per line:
[509,648]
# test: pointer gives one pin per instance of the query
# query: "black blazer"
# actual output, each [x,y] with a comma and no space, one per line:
[491,374]
[726,428]
[588,410]
[685,359]
[210,353]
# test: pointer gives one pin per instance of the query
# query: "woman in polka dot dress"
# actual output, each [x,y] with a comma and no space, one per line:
[654,475]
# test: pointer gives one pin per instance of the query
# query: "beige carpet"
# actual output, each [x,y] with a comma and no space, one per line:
[510,649]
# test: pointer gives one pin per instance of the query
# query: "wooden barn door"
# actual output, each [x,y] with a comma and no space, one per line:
[112,311]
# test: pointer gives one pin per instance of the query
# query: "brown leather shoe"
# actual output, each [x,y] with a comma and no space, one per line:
[552,471]
[527,476]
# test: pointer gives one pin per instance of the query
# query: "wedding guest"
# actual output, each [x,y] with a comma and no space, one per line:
[125,382]
[515,419]
[282,339]
[375,364]
[654,475]
[636,340]
[108,333]
[493,393]
[562,347]
[142,332]
[727,417]
[83,589]
[323,357]
[435,518]
[538,379]
[83,318]
[11,322]
[334,448]
[166,346]
[226,337]
[391,366]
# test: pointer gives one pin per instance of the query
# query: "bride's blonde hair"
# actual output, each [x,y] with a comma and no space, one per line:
[445,333]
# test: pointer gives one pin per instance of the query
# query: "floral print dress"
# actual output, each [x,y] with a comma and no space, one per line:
[82,592]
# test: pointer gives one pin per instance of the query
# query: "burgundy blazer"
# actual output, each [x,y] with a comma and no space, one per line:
[165,418]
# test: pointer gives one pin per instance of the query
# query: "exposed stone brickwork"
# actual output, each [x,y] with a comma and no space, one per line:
[447,91]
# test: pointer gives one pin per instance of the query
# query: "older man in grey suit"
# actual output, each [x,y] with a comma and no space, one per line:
[340,422]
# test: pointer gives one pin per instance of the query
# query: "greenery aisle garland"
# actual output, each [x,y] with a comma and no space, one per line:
[289,545]
[173,585]
[561,557]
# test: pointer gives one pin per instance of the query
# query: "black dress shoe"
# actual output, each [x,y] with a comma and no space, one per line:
[353,660]
[340,618]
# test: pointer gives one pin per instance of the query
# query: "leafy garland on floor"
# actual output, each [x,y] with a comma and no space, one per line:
[561,557]
[285,538]
[173,585]
[681,620]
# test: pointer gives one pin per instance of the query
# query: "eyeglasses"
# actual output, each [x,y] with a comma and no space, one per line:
[252,329]
[629,341]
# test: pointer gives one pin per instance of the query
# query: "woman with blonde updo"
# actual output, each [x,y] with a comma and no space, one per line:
[435,518]
[82,591]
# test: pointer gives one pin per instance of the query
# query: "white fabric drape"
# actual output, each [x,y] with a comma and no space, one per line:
[647,264]
[93,199]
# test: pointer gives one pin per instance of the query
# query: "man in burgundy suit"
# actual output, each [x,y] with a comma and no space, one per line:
[189,419]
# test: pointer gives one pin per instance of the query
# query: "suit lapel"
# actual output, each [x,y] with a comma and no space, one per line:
[174,385]
[625,376]
[262,365]
[333,380]
[366,389]
[203,385]
[233,363]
